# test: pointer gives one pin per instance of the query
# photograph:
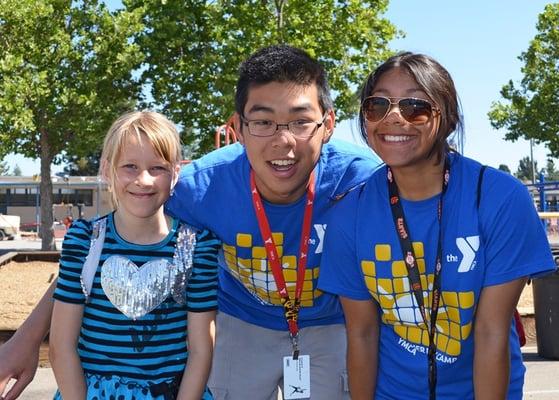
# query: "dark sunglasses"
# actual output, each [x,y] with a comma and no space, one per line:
[415,111]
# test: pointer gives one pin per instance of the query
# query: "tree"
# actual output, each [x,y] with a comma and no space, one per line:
[524,171]
[16,171]
[83,165]
[504,168]
[194,48]
[551,174]
[65,74]
[4,168]
[530,111]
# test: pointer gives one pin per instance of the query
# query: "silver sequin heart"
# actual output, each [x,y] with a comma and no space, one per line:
[136,291]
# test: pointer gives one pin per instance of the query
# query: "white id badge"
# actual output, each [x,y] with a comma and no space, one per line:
[296,378]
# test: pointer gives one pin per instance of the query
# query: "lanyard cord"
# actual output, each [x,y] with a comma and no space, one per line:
[290,306]
[413,271]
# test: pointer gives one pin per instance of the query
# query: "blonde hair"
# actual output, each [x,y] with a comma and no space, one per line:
[156,128]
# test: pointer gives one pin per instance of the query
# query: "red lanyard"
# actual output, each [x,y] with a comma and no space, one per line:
[290,306]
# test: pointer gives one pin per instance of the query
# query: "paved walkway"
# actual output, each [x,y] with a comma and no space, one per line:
[541,379]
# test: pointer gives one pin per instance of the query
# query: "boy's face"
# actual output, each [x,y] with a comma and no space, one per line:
[282,163]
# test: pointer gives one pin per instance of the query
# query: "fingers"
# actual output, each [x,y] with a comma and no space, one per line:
[18,387]
[16,390]
[3,384]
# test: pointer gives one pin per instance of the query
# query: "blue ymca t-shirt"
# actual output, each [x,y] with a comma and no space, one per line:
[363,260]
[214,193]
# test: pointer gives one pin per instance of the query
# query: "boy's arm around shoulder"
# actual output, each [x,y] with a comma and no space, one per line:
[19,356]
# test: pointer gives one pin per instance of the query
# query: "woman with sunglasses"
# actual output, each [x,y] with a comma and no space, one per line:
[430,256]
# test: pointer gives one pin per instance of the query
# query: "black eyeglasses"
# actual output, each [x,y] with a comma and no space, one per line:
[415,111]
[300,128]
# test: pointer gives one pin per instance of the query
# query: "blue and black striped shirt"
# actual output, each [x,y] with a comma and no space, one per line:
[152,347]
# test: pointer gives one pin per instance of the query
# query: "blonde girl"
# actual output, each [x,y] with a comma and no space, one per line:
[125,336]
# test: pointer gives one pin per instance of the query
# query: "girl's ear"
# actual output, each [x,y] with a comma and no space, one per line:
[176,173]
[175,177]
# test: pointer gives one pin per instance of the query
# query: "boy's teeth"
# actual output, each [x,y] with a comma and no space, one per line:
[396,138]
[282,163]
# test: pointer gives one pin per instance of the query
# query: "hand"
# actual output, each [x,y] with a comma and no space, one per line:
[18,360]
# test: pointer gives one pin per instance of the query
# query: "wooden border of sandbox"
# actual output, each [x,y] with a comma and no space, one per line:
[24,256]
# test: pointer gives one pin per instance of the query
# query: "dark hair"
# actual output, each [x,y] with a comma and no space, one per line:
[281,63]
[436,82]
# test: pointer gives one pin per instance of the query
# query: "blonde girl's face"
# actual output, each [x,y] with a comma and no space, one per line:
[142,179]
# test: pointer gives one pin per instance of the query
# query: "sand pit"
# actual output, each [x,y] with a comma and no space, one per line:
[21,287]
[23,283]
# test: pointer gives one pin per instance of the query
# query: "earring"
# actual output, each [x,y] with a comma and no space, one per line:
[172,191]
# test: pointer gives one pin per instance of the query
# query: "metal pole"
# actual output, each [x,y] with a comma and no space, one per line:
[543,204]
[532,161]
[37,208]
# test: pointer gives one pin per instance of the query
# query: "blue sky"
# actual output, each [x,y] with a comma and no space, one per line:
[478,42]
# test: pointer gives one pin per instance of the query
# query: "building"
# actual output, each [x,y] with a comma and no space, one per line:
[75,196]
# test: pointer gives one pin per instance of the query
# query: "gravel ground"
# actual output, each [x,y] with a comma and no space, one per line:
[21,287]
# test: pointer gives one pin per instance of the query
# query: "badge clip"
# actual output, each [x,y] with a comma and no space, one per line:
[295,343]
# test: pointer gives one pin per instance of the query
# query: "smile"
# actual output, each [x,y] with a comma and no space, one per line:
[282,164]
[142,195]
[396,138]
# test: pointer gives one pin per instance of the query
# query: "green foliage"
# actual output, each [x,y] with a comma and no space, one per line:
[524,171]
[4,170]
[531,110]
[551,173]
[65,74]
[504,168]
[194,49]
[83,165]
[65,71]
[16,171]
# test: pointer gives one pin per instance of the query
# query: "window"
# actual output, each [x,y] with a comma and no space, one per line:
[27,197]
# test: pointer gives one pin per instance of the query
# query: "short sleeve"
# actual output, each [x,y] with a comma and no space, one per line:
[75,248]
[340,273]
[201,291]
[515,242]
[185,199]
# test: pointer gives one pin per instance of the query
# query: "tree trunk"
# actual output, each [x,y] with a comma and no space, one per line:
[46,230]
[279,15]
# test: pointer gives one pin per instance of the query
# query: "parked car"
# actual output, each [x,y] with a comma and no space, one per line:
[59,228]
[9,226]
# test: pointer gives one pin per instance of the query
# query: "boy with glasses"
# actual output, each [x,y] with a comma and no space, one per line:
[268,200]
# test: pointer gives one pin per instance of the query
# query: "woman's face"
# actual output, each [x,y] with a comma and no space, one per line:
[397,141]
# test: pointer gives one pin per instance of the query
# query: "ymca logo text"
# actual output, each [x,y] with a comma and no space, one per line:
[468,246]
